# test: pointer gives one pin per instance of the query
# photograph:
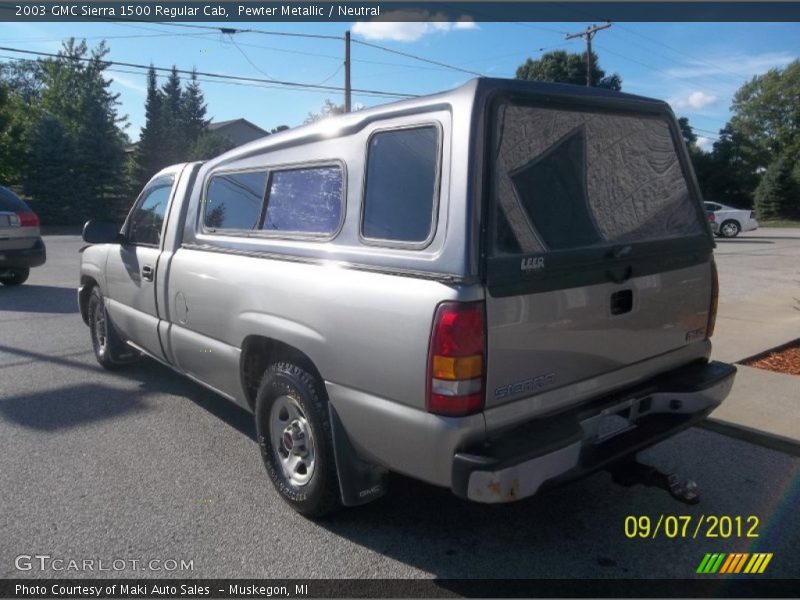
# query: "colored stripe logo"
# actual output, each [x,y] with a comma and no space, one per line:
[736,562]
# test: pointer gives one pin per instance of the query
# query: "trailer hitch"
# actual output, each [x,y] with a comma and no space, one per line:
[630,472]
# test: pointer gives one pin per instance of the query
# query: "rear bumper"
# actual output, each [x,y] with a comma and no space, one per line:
[551,450]
[24,259]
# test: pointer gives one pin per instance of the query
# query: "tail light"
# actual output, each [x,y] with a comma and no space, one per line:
[711,217]
[457,359]
[712,310]
[28,219]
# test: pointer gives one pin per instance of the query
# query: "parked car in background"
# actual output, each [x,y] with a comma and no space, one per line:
[727,221]
[21,245]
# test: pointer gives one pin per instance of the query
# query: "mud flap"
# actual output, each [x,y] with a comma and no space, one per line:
[359,481]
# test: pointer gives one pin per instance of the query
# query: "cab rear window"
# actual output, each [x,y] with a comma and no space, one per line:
[401,186]
[569,179]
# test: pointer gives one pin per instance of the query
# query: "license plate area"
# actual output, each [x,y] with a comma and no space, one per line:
[614,420]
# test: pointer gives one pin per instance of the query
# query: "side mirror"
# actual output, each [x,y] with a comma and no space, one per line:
[98,231]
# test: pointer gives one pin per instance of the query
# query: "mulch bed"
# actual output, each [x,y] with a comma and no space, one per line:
[782,361]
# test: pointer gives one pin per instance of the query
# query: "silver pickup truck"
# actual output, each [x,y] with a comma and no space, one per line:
[494,289]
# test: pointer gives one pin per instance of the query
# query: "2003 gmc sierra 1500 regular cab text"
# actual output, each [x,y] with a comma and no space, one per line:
[491,289]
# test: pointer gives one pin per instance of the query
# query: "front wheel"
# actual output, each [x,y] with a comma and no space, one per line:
[109,349]
[15,276]
[294,433]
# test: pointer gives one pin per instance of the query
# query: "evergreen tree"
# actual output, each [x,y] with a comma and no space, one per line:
[778,194]
[193,108]
[80,113]
[49,178]
[209,145]
[149,157]
[174,142]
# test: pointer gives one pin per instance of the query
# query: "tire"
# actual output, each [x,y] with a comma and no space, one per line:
[109,349]
[729,229]
[294,433]
[15,277]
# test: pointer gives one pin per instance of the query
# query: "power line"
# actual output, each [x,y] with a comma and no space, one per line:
[250,30]
[247,58]
[222,81]
[731,74]
[419,58]
[109,37]
[276,82]
[667,73]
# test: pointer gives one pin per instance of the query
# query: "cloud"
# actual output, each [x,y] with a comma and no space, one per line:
[704,143]
[404,29]
[129,84]
[696,100]
[731,64]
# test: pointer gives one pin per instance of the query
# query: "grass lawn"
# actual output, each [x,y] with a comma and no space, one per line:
[781,223]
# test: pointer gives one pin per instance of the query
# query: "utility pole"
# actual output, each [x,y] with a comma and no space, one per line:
[588,35]
[347,71]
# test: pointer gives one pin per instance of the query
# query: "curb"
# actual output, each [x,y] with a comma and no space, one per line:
[758,437]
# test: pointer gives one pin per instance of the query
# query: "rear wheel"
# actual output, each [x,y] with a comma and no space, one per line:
[294,433]
[15,276]
[109,349]
[729,229]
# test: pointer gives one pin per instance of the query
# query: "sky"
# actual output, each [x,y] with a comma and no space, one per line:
[696,67]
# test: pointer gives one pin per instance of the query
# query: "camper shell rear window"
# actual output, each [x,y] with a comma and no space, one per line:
[570,179]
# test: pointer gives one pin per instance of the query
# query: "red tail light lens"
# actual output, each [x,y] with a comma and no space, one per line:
[711,217]
[28,219]
[457,359]
[712,310]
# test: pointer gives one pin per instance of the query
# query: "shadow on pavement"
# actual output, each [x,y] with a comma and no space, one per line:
[75,405]
[38,299]
[70,406]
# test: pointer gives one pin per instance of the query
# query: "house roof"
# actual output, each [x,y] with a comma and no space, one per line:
[219,124]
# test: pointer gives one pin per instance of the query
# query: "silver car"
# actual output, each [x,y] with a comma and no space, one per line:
[21,245]
[494,289]
[727,221]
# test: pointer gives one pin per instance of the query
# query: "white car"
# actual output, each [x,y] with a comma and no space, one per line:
[727,221]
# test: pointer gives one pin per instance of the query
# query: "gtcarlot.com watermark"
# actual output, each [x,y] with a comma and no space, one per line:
[46,562]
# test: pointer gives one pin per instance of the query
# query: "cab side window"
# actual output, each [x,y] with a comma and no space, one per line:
[234,200]
[147,219]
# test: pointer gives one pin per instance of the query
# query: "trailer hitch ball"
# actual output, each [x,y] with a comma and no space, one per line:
[685,491]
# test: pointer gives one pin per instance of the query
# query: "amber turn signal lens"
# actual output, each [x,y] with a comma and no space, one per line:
[461,367]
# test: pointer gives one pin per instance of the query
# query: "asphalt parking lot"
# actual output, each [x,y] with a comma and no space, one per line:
[143,464]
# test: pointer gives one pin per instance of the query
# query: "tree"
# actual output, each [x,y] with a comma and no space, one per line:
[193,109]
[559,66]
[209,145]
[687,132]
[148,157]
[78,134]
[724,173]
[172,114]
[49,178]
[329,109]
[20,91]
[766,111]
[778,193]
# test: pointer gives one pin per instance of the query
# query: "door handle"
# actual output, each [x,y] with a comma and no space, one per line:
[147,273]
